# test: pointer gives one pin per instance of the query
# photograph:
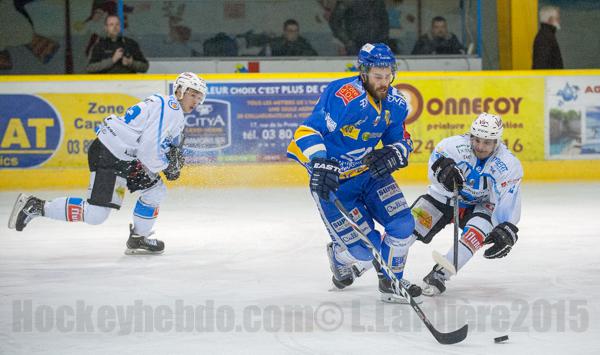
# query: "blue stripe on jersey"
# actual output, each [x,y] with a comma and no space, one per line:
[160,123]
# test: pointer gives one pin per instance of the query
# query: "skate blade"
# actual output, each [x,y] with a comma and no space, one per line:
[393,298]
[19,203]
[142,252]
[430,291]
[334,288]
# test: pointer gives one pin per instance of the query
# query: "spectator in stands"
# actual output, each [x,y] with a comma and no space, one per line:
[438,40]
[115,53]
[356,22]
[290,43]
[546,53]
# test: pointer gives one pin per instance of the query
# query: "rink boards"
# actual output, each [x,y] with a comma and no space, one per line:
[238,137]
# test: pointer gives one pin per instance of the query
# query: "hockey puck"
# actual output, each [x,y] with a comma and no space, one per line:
[501,339]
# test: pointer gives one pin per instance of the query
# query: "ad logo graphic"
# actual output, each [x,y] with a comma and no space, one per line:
[568,93]
[30,131]
[414,99]
[208,127]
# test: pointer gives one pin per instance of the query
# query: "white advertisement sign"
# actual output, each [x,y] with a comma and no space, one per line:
[573,117]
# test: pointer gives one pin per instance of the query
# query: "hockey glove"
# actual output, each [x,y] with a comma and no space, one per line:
[325,177]
[138,178]
[503,237]
[382,162]
[176,162]
[447,174]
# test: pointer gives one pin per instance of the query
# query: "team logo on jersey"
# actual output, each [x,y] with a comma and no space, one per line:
[173,104]
[350,131]
[388,191]
[331,125]
[347,93]
[371,135]
[30,131]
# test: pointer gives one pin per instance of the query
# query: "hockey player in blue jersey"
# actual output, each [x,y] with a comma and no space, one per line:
[337,145]
[488,177]
[129,152]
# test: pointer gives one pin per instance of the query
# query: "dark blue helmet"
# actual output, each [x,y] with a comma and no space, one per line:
[376,55]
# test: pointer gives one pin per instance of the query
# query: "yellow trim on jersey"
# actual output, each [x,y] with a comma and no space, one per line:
[295,151]
[304,131]
[376,106]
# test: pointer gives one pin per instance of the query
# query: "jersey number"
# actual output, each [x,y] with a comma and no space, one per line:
[132,113]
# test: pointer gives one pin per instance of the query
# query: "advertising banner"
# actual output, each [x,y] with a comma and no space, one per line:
[573,117]
[248,122]
[52,130]
[254,121]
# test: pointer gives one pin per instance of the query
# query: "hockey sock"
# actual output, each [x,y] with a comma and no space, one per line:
[144,216]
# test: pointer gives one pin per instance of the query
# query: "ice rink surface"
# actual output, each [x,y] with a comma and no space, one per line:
[245,271]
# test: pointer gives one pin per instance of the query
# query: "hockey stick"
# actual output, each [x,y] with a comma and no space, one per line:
[456,223]
[439,258]
[443,338]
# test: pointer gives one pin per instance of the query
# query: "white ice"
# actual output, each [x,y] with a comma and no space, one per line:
[254,252]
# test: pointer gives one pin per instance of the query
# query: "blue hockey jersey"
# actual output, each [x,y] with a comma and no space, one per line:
[347,123]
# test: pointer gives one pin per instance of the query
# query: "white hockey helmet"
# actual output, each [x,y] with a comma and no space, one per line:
[487,126]
[189,80]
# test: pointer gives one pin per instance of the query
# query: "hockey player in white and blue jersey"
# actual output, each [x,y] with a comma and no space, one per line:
[130,152]
[336,144]
[488,177]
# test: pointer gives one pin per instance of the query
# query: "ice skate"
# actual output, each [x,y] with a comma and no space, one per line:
[137,244]
[434,282]
[343,275]
[388,295]
[25,209]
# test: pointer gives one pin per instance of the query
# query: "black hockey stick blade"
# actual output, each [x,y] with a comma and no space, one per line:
[443,338]
[450,338]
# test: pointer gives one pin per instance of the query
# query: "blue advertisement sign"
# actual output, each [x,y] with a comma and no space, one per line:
[30,131]
[248,122]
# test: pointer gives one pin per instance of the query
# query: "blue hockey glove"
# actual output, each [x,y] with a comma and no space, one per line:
[325,177]
[503,236]
[382,162]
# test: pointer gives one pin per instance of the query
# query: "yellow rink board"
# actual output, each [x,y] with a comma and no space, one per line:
[53,176]
[279,175]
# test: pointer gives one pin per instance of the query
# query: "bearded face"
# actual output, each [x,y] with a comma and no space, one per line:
[377,81]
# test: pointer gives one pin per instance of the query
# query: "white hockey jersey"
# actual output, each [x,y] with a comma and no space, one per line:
[495,180]
[146,132]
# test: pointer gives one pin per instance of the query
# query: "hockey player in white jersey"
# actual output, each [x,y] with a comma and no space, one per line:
[488,178]
[130,152]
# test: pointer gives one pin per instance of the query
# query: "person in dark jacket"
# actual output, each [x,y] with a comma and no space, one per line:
[438,40]
[291,43]
[115,53]
[546,53]
[356,22]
